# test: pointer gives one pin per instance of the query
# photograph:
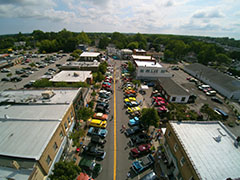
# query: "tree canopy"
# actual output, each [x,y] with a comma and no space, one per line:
[64,170]
[149,117]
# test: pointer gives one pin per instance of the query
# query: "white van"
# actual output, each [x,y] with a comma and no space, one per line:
[204,86]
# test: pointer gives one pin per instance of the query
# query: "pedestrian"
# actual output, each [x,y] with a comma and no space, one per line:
[128,175]
[123,127]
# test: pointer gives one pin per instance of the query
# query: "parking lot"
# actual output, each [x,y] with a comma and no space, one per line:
[33,75]
[180,77]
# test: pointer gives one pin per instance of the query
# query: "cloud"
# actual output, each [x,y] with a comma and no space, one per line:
[208,14]
[28,2]
[169,3]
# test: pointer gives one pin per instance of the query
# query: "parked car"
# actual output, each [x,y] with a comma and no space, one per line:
[151,84]
[140,138]
[130,95]
[211,93]
[142,164]
[140,150]
[5,70]
[133,109]
[150,176]
[93,150]
[24,75]
[102,110]
[99,100]
[97,140]
[129,99]
[100,116]
[133,121]
[104,96]
[90,167]
[217,100]
[132,104]
[15,79]
[6,79]
[105,105]
[97,132]
[105,92]
[133,130]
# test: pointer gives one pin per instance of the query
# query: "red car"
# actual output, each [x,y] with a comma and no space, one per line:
[161,109]
[106,86]
[140,150]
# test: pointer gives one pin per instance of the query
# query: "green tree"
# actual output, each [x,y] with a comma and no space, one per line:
[223,59]
[64,170]
[133,45]
[149,117]
[83,38]
[168,55]
[84,113]
[103,67]
[76,135]
[103,42]
[210,113]
[130,67]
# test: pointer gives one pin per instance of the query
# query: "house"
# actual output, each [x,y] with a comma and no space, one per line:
[142,58]
[224,84]
[111,50]
[139,52]
[82,47]
[90,56]
[157,55]
[73,77]
[20,43]
[81,66]
[149,70]
[172,91]
[34,130]
[201,150]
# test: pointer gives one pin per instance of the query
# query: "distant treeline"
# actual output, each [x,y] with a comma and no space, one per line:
[176,47]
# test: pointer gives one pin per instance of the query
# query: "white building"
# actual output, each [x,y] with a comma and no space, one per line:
[224,84]
[90,56]
[111,50]
[172,92]
[72,76]
[124,54]
[150,70]
[142,58]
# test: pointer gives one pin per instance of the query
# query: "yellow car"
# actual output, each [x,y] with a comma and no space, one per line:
[128,88]
[97,123]
[129,99]
[133,109]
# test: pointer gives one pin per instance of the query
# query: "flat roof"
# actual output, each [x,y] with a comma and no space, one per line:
[148,64]
[25,138]
[142,57]
[35,96]
[171,87]
[72,76]
[139,50]
[211,159]
[90,54]
[21,174]
[82,64]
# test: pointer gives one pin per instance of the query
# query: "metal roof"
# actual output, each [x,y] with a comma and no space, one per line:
[90,54]
[148,64]
[25,138]
[11,173]
[142,57]
[212,75]
[211,159]
[35,96]
[171,87]
[72,76]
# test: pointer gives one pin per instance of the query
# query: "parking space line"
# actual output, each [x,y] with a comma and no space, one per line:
[115,137]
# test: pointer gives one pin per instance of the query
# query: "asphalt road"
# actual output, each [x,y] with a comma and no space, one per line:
[123,161]
[36,75]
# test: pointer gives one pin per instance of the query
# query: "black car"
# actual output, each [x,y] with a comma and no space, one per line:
[130,95]
[16,79]
[5,79]
[141,138]
[105,105]
[102,110]
[98,140]
[94,151]
[133,130]
[215,99]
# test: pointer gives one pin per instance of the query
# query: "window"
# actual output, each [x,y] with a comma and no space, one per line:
[141,71]
[183,99]
[191,178]
[147,71]
[55,146]
[152,70]
[61,134]
[48,160]
[71,114]
[69,121]
[163,71]
[65,125]
[182,161]
[175,147]
[169,133]
[173,98]
[156,71]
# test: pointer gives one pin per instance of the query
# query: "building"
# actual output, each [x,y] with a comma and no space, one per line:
[124,54]
[81,66]
[142,58]
[90,56]
[111,50]
[172,91]
[34,130]
[73,77]
[20,43]
[139,52]
[201,150]
[157,55]
[149,70]
[82,47]
[224,84]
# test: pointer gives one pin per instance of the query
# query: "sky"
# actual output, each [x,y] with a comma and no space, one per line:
[215,18]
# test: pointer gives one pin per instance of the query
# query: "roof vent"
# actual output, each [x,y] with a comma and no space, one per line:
[218,138]
[6,116]
[48,94]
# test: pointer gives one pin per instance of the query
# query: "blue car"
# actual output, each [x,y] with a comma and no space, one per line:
[131,104]
[107,83]
[142,164]
[134,121]
[98,132]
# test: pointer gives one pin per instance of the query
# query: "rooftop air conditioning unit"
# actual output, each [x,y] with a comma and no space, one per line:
[47,94]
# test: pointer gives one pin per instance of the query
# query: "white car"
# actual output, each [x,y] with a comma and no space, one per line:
[105,92]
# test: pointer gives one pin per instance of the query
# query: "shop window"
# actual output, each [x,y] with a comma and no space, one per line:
[173,98]
[141,71]
[48,160]
[147,71]
[55,146]
[183,99]
[61,134]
